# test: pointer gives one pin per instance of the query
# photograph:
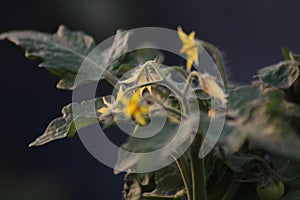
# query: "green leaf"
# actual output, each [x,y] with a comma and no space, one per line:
[64,126]
[264,121]
[288,170]
[235,161]
[263,116]
[218,182]
[231,138]
[130,60]
[63,52]
[168,180]
[132,187]
[296,57]
[209,162]
[124,68]
[292,195]
[281,75]
[239,98]
[286,53]
[159,134]
[238,109]
[171,69]
[291,109]
[246,191]
[161,184]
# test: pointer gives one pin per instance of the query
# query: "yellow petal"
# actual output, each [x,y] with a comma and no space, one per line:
[189,65]
[192,35]
[140,119]
[183,37]
[188,48]
[106,102]
[149,89]
[133,104]
[132,108]
[120,94]
[135,97]
[102,110]
[185,48]
[141,90]
[143,109]
[195,56]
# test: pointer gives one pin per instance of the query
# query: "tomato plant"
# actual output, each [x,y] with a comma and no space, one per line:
[256,155]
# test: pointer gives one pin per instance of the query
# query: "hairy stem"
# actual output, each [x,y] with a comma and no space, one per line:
[198,171]
[233,187]
[183,167]
[110,78]
[157,198]
[179,195]
[216,53]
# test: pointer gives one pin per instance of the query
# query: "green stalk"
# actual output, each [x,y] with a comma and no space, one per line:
[220,64]
[183,167]
[198,171]
[157,198]
[182,162]
[233,187]
[110,78]
[179,195]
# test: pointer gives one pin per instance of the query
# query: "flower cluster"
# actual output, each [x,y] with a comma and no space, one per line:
[132,103]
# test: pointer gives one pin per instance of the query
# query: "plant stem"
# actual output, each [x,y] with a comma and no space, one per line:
[263,163]
[110,78]
[157,198]
[198,171]
[179,195]
[214,50]
[234,184]
[183,164]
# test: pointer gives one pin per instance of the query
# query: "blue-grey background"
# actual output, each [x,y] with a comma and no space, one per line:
[250,34]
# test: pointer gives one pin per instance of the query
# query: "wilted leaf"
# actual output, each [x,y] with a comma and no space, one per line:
[65,126]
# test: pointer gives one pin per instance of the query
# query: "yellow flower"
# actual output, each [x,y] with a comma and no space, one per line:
[135,109]
[132,107]
[110,106]
[189,48]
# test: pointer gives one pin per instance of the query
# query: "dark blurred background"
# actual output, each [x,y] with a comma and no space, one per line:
[250,34]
